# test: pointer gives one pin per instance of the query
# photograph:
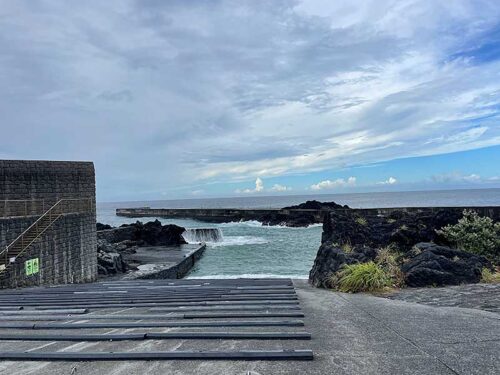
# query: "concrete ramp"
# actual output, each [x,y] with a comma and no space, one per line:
[155,320]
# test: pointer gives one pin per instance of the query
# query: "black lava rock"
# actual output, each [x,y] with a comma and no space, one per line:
[401,228]
[100,226]
[434,265]
[331,258]
[316,205]
[155,234]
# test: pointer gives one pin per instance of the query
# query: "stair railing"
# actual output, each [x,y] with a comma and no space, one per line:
[35,230]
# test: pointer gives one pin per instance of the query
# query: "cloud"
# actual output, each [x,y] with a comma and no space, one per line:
[389,181]
[259,186]
[280,188]
[340,182]
[131,85]
[456,177]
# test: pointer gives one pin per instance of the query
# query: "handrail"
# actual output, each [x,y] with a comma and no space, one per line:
[24,207]
[35,230]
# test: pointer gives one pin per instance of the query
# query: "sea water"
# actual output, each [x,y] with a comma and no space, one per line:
[249,249]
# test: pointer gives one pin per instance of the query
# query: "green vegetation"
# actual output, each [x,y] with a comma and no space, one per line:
[361,221]
[372,276]
[390,260]
[475,234]
[362,277]
[347,248]
[487,276]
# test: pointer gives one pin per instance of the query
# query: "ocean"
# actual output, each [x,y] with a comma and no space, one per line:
[248,249]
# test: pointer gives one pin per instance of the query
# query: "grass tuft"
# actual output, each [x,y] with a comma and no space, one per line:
[487,276]
[347,248]
[362,277]
[361,221]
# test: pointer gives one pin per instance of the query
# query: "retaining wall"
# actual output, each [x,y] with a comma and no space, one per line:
[67,251]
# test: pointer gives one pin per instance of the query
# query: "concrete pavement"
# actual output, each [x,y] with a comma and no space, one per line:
[351,334]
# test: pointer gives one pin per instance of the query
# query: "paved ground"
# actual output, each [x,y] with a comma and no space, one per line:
[351,334]
[475,296]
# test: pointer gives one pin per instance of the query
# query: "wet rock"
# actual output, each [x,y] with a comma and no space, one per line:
[433,265]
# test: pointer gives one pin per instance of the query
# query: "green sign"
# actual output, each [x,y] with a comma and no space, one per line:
[32,266]
[35,266]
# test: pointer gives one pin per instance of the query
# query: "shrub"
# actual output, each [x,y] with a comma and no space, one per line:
[487,276]
[475,234]
[362,277]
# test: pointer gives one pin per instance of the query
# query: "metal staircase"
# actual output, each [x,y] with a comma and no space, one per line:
[33,233]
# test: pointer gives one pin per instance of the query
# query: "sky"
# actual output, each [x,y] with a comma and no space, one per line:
[179,99]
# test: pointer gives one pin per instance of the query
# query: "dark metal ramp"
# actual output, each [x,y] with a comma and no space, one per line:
[238,319]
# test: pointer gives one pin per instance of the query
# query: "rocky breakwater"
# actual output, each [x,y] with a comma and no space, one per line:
[114,244]
[425,257]
[301,215]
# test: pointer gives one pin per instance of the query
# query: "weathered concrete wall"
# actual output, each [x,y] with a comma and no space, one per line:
[33,179]
[67,251]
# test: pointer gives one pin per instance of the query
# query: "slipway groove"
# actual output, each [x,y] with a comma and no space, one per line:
[214,319]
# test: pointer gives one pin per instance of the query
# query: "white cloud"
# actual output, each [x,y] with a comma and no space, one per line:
[340,182]
[389,181]
[472,178]
[456,177]
[261,106]
[259,186]
[278,187]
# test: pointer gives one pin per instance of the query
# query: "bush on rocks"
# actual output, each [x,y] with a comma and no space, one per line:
[475,234]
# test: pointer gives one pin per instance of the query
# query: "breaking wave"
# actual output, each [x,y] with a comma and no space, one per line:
[203,235]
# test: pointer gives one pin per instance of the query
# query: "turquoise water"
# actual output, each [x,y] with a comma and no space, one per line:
[250,249]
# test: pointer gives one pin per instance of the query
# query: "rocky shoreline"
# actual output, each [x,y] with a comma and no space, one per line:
[114,244]
[426,257]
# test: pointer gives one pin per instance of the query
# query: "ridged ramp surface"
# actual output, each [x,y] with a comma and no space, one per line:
[159,320]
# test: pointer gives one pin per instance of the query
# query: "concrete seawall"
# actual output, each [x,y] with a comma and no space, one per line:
[229,214]
[165,262]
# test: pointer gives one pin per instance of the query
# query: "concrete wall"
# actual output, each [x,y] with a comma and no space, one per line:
[67,251]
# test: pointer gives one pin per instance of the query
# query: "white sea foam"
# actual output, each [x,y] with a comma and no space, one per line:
[239,241]
[255,223]
[247,223]
[250,276]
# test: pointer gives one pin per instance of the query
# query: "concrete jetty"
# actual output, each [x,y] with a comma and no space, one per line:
[316,216]
[164,262]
